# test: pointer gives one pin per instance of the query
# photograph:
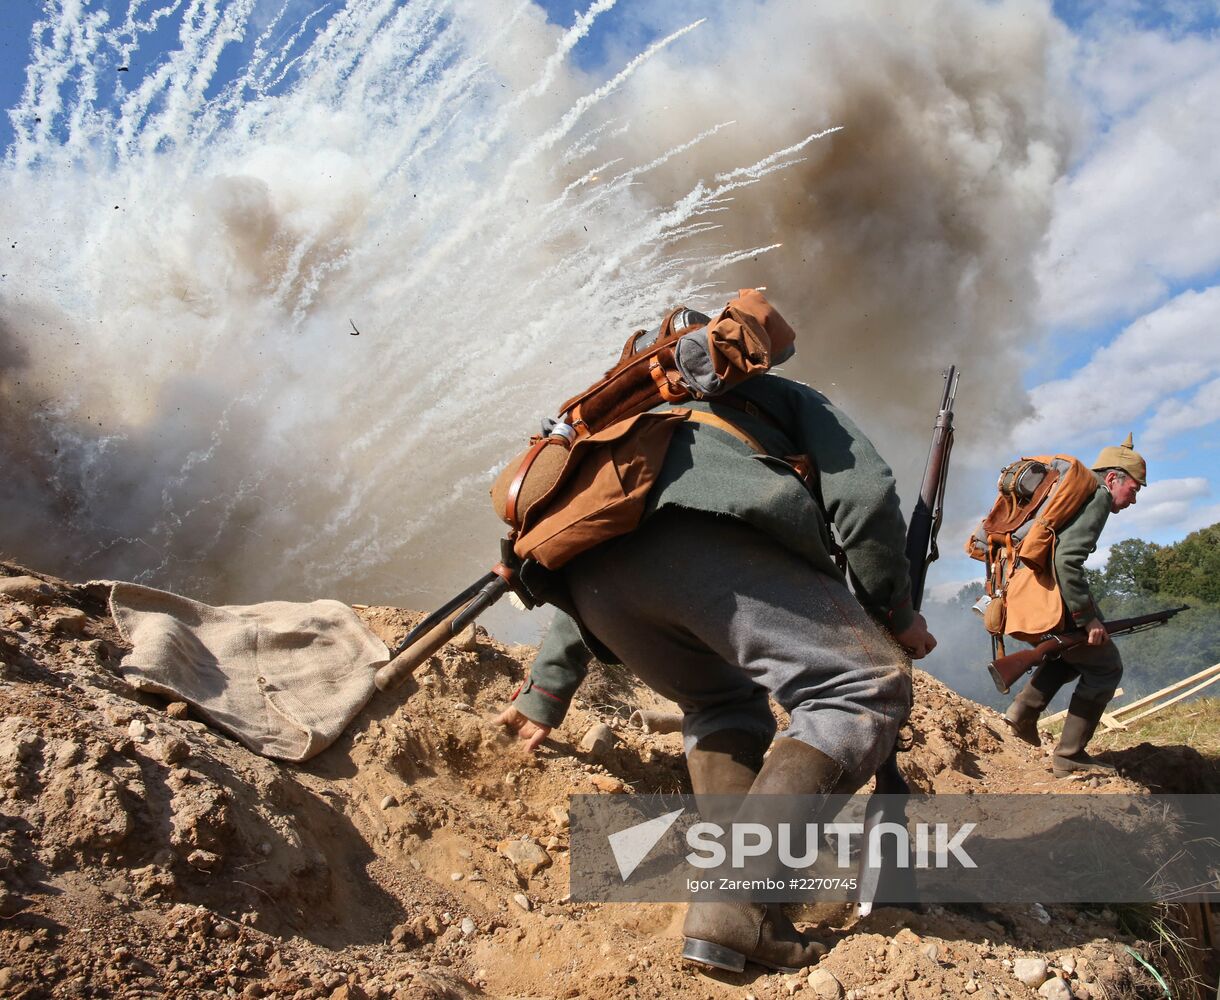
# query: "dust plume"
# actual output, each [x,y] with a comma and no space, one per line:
[907,236]
[269,324]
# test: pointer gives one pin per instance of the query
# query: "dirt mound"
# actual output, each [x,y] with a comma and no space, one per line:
[144,854]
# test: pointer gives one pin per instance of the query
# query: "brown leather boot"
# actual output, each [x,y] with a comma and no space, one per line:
[1078,728]
[725,762]
[726,935]
[1022,715]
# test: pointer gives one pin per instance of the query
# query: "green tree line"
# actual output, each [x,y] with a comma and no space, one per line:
[1142,576]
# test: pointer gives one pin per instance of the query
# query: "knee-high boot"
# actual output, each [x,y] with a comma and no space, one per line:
[1078,728]
[1022,715]
[725,935]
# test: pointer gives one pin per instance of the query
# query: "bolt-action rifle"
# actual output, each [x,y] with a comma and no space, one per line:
[880,879]
[1007,670]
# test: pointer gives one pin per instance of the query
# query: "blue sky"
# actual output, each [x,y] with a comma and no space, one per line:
[1128,330]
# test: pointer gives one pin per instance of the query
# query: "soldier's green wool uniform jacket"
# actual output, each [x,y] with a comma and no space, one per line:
[706,469]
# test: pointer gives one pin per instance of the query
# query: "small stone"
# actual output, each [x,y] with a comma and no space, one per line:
[598,740]
[68,621]
[177,709]
[559,815]
[461,706]
[26,588]
[1030,971]
[467,640]
[792,984]
[931,950]
[1038,912]
[1055,989]
[6,978]
[137,730]
[468,927]
[824,986]
[225,931]
[389,802]
[456,876]
[1068,965]
[25,944]
[265,848]
[204,861]
[117,715]
[68,754]
[607,783]
[523,901]
[174,750]
[526,855]
[971,985]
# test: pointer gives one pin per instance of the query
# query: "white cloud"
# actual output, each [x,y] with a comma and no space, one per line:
[1122,70]
[1169,351]
[1167,507]
[1143,210]
[1176,415]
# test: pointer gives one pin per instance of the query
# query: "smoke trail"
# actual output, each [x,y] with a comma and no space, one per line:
[908,236]
[283,294]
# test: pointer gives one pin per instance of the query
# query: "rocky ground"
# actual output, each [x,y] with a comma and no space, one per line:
[144,854]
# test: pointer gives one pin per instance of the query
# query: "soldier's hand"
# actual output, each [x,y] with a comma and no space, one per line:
[526,729]
[1098,635]
[916,639]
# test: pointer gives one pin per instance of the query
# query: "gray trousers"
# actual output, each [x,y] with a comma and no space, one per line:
[715,615]
[1099,668]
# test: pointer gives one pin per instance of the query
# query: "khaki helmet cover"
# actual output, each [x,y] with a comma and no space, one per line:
[1124,457]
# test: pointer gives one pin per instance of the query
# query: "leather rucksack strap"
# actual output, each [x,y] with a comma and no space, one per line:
[704,417]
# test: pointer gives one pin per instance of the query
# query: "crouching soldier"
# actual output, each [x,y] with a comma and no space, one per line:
[728,593]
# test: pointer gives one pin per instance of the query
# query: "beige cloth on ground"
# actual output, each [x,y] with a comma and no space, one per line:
[284,678]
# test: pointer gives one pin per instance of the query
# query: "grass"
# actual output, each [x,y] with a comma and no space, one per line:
[1190,723]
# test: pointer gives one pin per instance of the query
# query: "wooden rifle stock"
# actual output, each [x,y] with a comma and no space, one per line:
[1007,670]
[438,628]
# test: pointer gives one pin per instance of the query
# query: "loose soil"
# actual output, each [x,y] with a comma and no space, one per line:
[144,854]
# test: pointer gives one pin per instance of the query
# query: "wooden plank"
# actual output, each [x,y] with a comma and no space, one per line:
[1110,722]
[1185,694]
[1122,710]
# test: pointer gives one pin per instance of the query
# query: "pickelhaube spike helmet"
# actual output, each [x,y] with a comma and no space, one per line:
[1125,457]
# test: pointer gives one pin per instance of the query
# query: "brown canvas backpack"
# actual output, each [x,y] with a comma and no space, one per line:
[1035,498]
[586,478]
